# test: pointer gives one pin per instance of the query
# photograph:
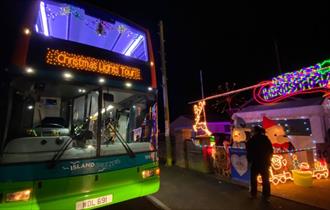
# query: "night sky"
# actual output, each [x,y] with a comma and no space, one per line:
[230,42]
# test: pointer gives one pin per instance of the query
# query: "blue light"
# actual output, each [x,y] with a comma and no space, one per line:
[44,18]
[74,24]
[134,45]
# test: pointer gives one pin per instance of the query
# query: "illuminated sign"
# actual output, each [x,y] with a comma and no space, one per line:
[307,80]
[84,63]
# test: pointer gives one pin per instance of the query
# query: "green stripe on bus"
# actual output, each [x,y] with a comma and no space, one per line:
[67,168]
[65,193]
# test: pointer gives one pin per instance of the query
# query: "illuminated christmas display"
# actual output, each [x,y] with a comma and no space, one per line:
[306,80]
[277,135]
[295,131]
[320,169]
[285,164]
[101,27]
[240,133]
[200,122]
[280,172]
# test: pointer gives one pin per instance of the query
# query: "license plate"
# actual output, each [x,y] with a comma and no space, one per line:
[85,204]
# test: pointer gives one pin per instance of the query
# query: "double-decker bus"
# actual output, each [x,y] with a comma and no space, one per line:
[79,124]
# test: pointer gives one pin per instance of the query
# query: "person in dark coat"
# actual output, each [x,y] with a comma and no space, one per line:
[259,154]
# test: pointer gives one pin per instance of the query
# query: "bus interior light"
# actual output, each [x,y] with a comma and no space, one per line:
[23,195]
[27,31]
[109,107]
[29,70]
[67,75]
[101,80]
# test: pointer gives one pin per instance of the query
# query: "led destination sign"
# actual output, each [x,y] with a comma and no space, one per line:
[90,64]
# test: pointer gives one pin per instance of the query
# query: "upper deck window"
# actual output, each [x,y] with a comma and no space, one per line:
[64,21]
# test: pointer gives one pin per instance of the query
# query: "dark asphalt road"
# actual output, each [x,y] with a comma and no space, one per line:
[182,189]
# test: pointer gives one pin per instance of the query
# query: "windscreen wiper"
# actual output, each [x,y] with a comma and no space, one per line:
[59,154]
[61,151]
[122,141]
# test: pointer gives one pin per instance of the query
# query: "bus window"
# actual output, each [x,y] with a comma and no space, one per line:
[125,118]
[85,113]
[46,116]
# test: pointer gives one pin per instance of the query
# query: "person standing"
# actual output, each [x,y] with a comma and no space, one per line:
[259,154]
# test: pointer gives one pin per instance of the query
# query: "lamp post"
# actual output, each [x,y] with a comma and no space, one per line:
[165,97]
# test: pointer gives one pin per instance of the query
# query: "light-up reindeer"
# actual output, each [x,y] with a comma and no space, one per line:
[200,122]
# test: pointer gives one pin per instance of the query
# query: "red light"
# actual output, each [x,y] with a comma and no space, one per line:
[209,150]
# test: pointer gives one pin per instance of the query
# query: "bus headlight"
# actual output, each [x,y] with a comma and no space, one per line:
[23,195]
[150,172]
[157,171]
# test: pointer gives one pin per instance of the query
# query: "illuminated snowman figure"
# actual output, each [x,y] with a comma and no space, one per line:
[240,134]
